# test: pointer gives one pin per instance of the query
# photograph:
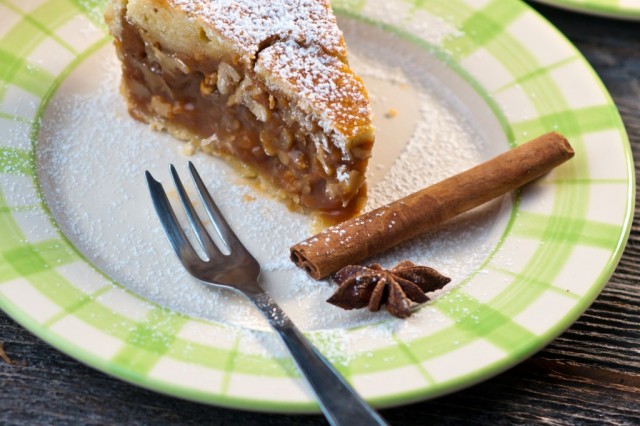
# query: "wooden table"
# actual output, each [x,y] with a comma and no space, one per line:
[589,375]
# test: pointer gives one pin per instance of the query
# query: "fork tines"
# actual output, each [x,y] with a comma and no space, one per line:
[174,231]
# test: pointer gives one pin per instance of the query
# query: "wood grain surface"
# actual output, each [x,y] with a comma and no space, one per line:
[589,375]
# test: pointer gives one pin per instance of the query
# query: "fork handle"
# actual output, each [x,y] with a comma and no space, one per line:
[339,402]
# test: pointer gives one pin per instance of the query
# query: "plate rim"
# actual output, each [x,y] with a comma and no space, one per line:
[596,9]
[401,398]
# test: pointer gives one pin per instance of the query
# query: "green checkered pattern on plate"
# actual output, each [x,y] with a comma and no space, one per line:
[627,9]
[495,318]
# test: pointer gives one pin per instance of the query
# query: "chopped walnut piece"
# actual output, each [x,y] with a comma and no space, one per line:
[407,282]
[228,78]
[209,83]
[168,63]
[161,107]
[251,96]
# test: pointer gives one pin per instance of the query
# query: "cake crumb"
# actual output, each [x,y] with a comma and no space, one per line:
[391,113]
[189,149]
[172,194]
[7,359]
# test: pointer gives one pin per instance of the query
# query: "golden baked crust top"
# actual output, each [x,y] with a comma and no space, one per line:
[250,24]
[323,85]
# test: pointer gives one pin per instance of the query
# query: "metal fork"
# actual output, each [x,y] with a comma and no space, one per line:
[240,271]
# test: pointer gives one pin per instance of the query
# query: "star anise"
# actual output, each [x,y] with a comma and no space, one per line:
[407,282]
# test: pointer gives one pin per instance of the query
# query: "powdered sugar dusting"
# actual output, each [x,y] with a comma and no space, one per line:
[249,23]
[92,156]
[321,82]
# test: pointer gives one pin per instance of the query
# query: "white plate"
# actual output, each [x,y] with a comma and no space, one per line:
[84,264]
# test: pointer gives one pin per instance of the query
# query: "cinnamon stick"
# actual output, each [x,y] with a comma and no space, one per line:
[374,232]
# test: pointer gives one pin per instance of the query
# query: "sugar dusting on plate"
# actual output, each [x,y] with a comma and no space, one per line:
[91,158]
